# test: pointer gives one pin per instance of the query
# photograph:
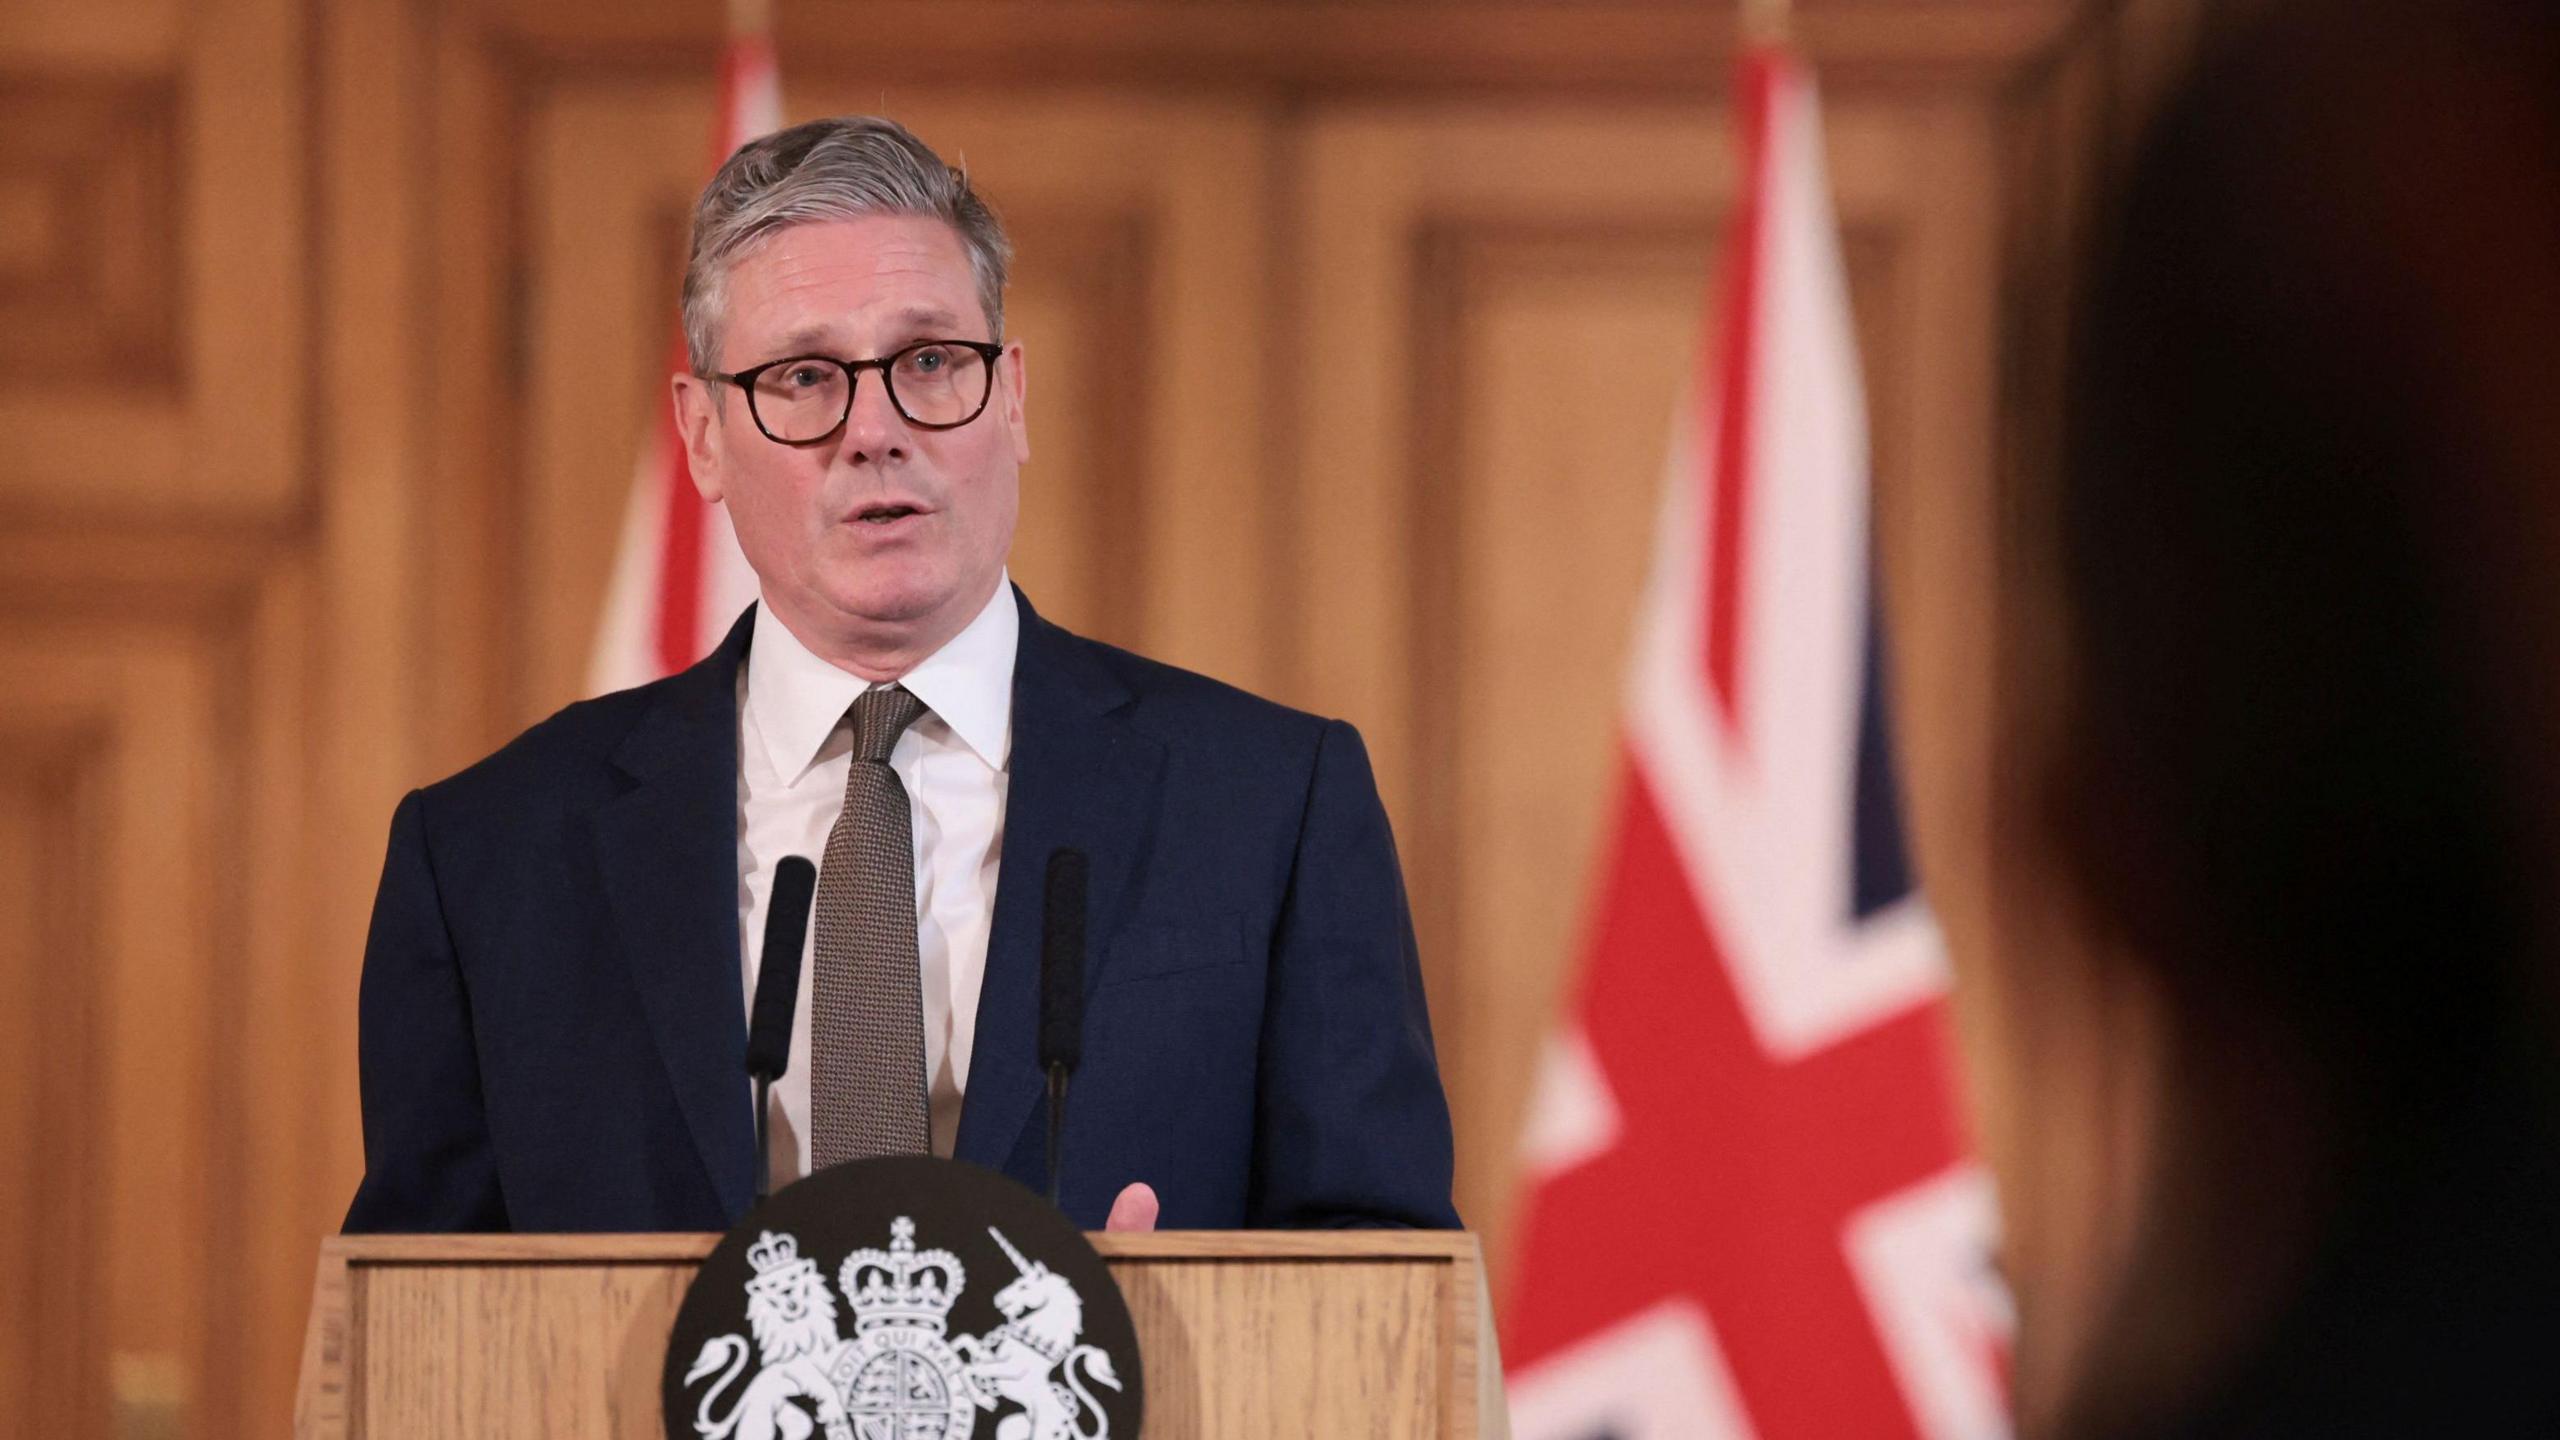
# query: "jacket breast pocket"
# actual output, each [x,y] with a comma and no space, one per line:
[1152,952]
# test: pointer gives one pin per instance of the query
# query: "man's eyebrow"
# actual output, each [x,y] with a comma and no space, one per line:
[802,341]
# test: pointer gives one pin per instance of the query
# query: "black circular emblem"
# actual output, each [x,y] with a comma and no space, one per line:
[904,1299]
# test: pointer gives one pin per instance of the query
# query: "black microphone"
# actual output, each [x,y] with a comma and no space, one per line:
[786,928]
[1061,990]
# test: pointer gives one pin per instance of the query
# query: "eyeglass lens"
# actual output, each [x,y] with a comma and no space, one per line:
[802,400]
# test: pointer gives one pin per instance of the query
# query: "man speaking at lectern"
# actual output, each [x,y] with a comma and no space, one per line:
[554,1012]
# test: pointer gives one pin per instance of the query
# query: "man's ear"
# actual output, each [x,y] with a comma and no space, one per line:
[697,409]
[1015,389]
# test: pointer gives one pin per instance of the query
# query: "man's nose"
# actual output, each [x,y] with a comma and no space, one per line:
[873,429]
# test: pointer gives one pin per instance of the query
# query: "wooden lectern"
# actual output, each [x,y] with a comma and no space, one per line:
[1245,1334]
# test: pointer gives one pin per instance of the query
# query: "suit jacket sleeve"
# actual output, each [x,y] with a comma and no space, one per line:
[428,1165]
[1352,1127]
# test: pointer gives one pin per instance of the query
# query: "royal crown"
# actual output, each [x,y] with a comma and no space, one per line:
[778,1262]
[900,1287]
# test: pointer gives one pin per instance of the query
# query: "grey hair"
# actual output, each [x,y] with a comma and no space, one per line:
[836,169]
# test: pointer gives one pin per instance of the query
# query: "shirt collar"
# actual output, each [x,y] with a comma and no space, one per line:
[797,699]
[969,681]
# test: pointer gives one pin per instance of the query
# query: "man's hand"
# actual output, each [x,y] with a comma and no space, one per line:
[1134,1210]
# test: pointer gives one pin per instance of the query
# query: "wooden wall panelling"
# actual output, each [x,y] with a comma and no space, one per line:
[298,884]
[91,288]
[1931,343]
[380,680]
[51,35]
[176,384]
[53,1342]
[89,273]
[607,164]
[128,956]
[1608,50]
[1547,506]
[466,311]
[179,1013]
[1560,358]
[322,626]
[153,261]
[1470,545]
[248,253]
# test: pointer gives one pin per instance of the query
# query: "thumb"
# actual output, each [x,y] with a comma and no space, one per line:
[1134,1210]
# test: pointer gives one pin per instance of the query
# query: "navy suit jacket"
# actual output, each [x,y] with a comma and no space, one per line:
[553,1034]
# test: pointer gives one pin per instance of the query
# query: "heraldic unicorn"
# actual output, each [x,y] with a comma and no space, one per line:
[900,1377]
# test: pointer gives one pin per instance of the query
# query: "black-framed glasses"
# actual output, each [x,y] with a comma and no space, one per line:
[933,384]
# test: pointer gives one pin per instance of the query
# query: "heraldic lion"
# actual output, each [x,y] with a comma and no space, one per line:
[794,1318]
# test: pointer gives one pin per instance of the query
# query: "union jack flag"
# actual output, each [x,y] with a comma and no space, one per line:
[1751,1208]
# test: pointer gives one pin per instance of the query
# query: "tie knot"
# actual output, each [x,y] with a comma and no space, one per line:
[879,717]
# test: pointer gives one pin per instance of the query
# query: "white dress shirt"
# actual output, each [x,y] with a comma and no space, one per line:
[794,750]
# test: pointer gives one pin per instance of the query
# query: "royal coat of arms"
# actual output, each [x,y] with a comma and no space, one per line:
[901,1375]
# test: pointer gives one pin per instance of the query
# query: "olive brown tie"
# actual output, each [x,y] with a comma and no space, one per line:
[866,1023]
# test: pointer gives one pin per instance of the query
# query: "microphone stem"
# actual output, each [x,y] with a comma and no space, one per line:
[764,1147]
[1057,1118]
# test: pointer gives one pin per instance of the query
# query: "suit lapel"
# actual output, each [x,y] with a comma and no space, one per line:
[668,851]
[1081,776]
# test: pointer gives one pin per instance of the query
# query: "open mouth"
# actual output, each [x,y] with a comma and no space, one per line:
[885,514]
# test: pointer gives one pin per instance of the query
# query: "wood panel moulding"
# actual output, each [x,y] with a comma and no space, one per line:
[162,360]
[143,706]
[463,302]
[1552,352]
[88,246]
[115,984]
[1612,48]
[53,1344]
[1085,280]
[203,575]
[1476,524]
[597,166]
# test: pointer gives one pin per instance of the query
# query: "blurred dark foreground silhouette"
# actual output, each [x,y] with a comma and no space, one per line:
[2310,509]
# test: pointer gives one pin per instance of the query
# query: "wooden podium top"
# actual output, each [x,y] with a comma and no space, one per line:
[1455,1247]
[1245,1334]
